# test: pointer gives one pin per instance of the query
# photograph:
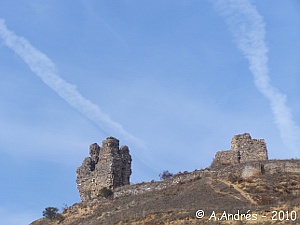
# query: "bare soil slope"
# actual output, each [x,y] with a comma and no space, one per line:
[178,204]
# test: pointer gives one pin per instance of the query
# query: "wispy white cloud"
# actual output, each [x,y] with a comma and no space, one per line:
[44,68]
[90,11]
[248,29]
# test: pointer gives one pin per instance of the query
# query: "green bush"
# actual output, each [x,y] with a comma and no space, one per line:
[106,192]
[165,175]
[52,213]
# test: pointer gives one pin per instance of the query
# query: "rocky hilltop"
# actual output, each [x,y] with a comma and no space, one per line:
[240,181]
[108,166]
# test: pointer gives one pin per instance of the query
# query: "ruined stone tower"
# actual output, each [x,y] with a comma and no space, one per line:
[243,149]
[108,166]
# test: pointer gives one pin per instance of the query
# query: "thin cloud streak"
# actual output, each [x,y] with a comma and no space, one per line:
[248,29]
[44,68]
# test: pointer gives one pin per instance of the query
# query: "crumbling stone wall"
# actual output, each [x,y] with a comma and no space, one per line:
[142,188]
[249,169]
[226,157]
[249,149]
[243,149]
[108,166]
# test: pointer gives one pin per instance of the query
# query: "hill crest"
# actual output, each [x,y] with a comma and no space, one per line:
[258,184]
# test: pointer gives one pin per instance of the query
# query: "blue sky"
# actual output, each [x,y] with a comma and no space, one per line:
[173,80]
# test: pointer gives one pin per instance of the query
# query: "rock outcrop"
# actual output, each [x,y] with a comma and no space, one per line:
[108,166]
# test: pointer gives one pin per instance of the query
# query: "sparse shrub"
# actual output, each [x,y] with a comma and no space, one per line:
[52,214]
[265,200]
[170,191]
[106,192]
[197,178]
[65,207]
[165,175]
[232,178]
[240,222]
[59,217]
[240,180]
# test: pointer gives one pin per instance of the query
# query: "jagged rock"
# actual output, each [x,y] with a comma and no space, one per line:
[108,166]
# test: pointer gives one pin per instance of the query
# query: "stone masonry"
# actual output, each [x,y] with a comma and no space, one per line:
[243,149]
[108,166]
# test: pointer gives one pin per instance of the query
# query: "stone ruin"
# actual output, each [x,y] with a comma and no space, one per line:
[243,149]
[108,166]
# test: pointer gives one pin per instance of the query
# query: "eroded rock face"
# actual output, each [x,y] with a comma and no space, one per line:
[108,166]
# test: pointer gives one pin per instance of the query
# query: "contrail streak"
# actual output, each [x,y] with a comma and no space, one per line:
[44,68]
[248,29]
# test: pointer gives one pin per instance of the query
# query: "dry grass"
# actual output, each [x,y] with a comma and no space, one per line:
[178,204]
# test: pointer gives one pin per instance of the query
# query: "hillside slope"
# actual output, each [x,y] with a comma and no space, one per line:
[178,199]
